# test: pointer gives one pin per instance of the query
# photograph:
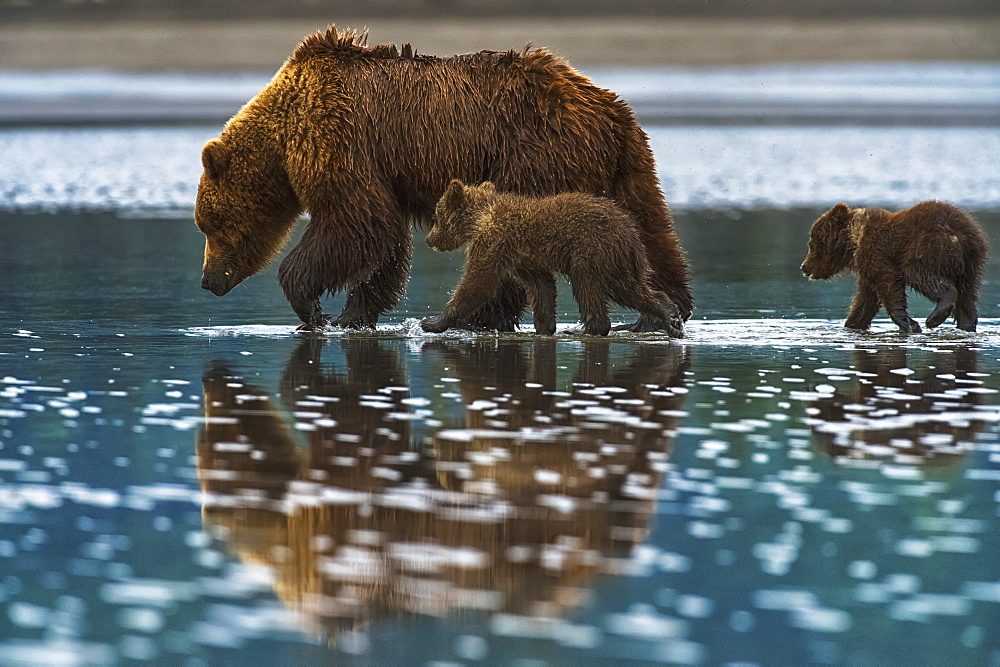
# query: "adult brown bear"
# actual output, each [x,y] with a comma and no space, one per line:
[366,140]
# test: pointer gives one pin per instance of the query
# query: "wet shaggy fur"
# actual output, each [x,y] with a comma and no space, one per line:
[366,140]
[936,248]
[590,240]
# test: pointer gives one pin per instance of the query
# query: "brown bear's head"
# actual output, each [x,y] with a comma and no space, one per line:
[245,207]
[831,249]
[456,214]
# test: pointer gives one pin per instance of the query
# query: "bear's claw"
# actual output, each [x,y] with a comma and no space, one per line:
[318,323]
[673,327]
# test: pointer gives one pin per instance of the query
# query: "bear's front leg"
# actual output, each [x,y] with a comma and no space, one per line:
[382,290]
[312,316]
[479,284]
[864,307]
[303,287]
[502,312]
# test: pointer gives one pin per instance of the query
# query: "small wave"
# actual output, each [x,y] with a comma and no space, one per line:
[241,330]
[725,332]
[826,333]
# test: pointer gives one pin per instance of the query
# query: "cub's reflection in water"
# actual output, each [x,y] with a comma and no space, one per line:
[903,406]
[518,474]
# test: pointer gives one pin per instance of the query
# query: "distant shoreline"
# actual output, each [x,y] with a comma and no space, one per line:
[262,45]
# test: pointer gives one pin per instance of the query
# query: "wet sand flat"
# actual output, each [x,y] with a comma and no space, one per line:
[586,41]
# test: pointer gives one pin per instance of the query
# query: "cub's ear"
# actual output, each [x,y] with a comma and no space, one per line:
[455,192]
[489,188]
[215,159]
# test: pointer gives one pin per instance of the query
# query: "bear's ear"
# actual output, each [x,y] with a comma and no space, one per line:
[489,188]
[455,192]
[215,159]
[840,212]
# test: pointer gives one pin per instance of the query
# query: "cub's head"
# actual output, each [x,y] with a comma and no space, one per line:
[831,249]
[245,208]
[456,214]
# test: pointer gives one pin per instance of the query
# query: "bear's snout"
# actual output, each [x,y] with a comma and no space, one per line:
[433,239]
[806,271]
[218,284]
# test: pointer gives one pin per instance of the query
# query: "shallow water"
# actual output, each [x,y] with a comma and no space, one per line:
[184,479]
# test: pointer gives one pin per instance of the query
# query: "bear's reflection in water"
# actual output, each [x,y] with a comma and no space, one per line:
[909,407]
[542,479]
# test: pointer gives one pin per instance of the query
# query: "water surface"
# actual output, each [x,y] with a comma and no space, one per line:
[186,480]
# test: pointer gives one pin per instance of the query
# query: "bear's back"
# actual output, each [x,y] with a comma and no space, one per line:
[560,231]
[935,224]
[933,214]
[525,120]
[926,238]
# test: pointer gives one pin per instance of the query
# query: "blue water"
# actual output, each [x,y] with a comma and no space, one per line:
[186,480]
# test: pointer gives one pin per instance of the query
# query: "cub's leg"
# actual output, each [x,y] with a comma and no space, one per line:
[479,284]
[502,312]
[540,287]
[593,302]
[657,312]
[864,307]
[943,308]
[966,313]
[892,294]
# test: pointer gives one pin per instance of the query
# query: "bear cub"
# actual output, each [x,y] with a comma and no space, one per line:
[589,239]
[934,247]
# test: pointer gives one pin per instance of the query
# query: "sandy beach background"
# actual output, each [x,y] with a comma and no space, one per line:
[136,45]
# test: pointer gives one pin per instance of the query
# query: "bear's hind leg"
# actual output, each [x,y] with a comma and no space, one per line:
[966,313]
[657,312]
[943,308]
[670,271]
[893,297]
[593,303]
[541,290]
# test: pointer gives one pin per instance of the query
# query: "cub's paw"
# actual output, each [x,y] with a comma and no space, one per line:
[435,324]
[938,317]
